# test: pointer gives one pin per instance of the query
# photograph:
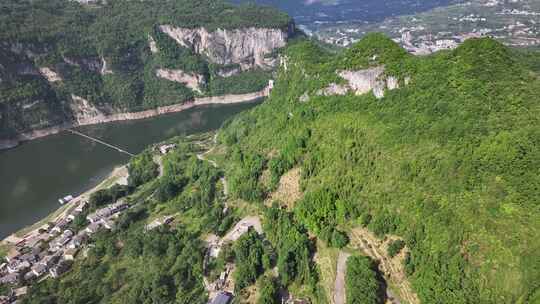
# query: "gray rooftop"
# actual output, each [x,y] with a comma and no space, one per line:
[222,298]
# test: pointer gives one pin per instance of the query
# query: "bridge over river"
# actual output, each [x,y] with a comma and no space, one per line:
[100,142]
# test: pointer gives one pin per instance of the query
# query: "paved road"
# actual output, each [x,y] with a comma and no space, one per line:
[242,227]
[339,287]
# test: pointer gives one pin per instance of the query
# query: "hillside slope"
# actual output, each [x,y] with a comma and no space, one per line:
[61,61]
[440,150]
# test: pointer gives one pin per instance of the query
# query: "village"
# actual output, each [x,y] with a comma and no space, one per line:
[51,251]
[515,24]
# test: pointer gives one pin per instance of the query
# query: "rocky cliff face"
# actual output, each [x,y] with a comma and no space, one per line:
[247,47]
[362,82]
[192,81]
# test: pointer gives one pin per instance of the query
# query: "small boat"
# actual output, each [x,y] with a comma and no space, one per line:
[65,199]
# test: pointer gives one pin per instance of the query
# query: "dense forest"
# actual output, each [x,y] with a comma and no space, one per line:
[101,53]
[449,161]
[446,164]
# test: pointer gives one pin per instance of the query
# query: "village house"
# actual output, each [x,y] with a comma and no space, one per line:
[30,257]
[49,260]
[69,255]
[164,149]
[61,225]
[11,278]
[37,240]
[29,276]
[107,211]
[73,214]
[59,269]
[5,300]
[92,228]
[19,292]
[159,222]
[61,241]
[39,270]
[77,241]
[222,298]
[17,266]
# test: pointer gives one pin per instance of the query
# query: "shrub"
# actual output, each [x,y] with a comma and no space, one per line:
[395,247]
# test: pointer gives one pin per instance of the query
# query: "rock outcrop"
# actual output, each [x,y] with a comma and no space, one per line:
[83,110]
[362,82]
[50,75]
[247,47]
[92,64]
[192,81]
[152,44]
[228,72]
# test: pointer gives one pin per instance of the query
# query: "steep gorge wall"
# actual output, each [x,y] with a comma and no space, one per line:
[247,47]
[236,50]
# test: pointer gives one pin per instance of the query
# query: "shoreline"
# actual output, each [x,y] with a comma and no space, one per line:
[99,119]
[117,175]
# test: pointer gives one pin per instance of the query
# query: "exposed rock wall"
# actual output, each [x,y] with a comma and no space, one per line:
[192,81]
[247,47]
[50,75]
[83,110]
[362,82]
[152,44]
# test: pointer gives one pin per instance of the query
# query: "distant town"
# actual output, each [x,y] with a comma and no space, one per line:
[516,23]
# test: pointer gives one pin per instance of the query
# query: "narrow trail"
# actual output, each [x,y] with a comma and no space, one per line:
[202,156]
[339,286]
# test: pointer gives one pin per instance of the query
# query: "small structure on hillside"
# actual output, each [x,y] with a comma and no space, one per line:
[159,222]
[222,298]
[164,149]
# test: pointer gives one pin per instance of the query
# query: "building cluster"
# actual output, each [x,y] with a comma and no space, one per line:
[51,250]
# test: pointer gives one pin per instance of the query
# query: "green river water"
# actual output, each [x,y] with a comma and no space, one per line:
[34,175]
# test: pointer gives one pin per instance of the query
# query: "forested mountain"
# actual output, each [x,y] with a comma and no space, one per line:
[439,154]
[61,61]
[443,152]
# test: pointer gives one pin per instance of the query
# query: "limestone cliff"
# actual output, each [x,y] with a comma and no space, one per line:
[248,47]
[362,82]
[192,81]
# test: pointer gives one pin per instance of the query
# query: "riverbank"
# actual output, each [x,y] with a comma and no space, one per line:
[118,175]
[200,101]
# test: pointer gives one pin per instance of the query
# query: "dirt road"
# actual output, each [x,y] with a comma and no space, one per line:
[242,227]
[339,287]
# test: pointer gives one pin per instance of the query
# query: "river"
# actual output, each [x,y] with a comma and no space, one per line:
[35,174]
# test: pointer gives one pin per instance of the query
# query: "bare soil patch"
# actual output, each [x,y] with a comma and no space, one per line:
[288,191]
